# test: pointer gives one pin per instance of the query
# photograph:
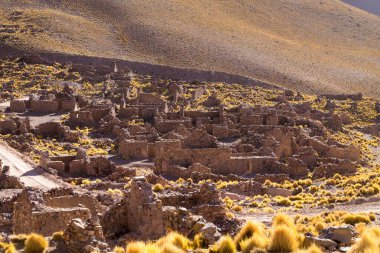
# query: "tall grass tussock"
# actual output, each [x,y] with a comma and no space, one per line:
[36,244]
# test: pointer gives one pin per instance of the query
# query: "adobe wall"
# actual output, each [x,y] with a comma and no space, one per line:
[131,149]
[212,158]
[18,106]
[30,216]
[44,106]
[49,221]
[74,201]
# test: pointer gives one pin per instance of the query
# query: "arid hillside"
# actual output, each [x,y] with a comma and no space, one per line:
[311,46]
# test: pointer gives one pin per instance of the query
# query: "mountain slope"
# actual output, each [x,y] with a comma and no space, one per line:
[308,45]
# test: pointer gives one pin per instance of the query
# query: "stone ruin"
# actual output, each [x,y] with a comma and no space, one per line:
[47,103]
[143,215]
[249,144]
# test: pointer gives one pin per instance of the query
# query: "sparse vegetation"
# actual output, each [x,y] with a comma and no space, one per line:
[224,245]
[158,188]
[35,244]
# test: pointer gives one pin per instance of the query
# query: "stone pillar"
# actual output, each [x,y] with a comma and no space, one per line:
[250,166]
[115,70]
[222,117]
[182,112]
[122,101]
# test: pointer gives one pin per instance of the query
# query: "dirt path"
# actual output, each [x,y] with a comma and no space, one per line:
[30,176]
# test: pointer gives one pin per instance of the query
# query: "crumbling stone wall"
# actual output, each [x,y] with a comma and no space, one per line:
[140,213]
[132,149]
[18,106]
[44,106]
[29,215]
[83,235]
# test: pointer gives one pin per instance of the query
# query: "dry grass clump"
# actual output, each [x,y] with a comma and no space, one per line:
[198,241]
[282,201]
[254,242]
[356,218]
[36,244]
[135,247]
[158,188]
[283,239]
[224,245]
[118,249]
[249,229]
[230,215]
[237,208]
[58,236]
[169,248]
[283,219]
[7,247]
[312,249]
[176,239]
[251,236]
[19,239]
[171,243]
[284,236]
[141,247]
[368,243]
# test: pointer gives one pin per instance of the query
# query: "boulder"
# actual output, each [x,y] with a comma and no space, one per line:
[278,192]
[340,234]
[210,233]
[321,242]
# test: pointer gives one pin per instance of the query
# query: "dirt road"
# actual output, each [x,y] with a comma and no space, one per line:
[30,176]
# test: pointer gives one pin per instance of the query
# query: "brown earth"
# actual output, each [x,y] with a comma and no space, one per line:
[311,46]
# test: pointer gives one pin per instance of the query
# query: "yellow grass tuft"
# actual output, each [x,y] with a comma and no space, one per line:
[175,239]
[135,247]
[7,247]
[158,188]
[254,242]
[118,250]
[368,243]
[312,249]
[36,244]
[198,241]
[283,239]
[170,248]
[283,219]
[356,218]
[248,230]
[224,245]
[57,236]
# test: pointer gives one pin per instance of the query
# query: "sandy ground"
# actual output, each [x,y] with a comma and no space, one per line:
[29,175]
[35,118]
[370,205]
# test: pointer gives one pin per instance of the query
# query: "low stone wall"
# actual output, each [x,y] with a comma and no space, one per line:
[49,221]
[74,201]
[18,106]
[44,106]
